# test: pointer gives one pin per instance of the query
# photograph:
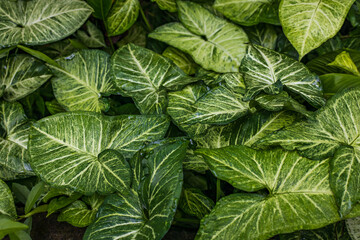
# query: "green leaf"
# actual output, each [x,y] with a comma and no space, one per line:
[21,75]
[195,203]
[344,61]
[21,192]
[93,37]
[352,226]
[9,226]
[54,107]
[337,82]
[14,129]
[7,206]
[292,181]
[101,8]
[213,42]
[249,13]
[317,21]
[334,127]
[169,5]
[136,35]
[34,195]
[37,22]
[19,235]
[81,80]
[61,202]
[181,59]
[194,162]
[145,212]
[5,51]
[145,76]
[122,16]
[268,71]
[262,34]
[38,55]
[90,159]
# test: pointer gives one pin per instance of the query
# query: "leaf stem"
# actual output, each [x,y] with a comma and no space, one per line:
[145,20]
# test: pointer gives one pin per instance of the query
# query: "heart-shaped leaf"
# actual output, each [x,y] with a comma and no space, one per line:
[146,211]
[93,37]
[308,25]
[269,71]
[81,80]
[292,181]
[7,205]
[21,75]
[37,22]
[90,159]
[195,203]
[101,8]
[213,42]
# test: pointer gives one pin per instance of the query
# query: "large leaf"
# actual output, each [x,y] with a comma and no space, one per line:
[90,159]
[81,80]
[334,127]
[38,22]
[292,181]
[337,82]
[213,43]
[14,128]
[344,62]
[145,212]
[269,71]
[145,76]
[248,13]
[169,5]
[7,206]
[122,16]
[21,75]
[308,25]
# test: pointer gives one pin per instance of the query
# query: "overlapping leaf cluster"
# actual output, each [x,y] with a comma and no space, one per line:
[237,118]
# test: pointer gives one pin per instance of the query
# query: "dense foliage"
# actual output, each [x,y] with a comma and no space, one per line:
[237,119]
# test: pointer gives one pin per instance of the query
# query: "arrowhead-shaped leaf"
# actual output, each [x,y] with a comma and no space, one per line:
[21,75]
[93,37]
[263,34]
[90,159]
[268,71]
[213,42]
[14,130]
[249,13]
[145,76]
[344,62]
[81,80]
[37,22]
[292,181]
[145,212]
[308,25]
[169,5]
[7,206]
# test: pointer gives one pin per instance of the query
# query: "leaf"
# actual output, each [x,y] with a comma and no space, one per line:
[61,202]
[292,181]
[7,206]
[20,235]
[268,71]
[195,203]
[14,129]
[9,226]
[352,226]
[54,107]
[214,43]
[39,55]
[5,51]
[136,35]
[21,75]
[145,76]
[337,82]
[316,22]
[93,37]
[122,16]
[146,211]
[262,34]
[334,127]
[21,192]
[169,5]
[182,60]
[194,162]
[101,8]
[34,195]
[249,13]
[90,159]
[81,80]
[344,61]
[39,22]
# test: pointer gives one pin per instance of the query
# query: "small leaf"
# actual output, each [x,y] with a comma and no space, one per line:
[21,192]
[61,202]
[9,226]
[93,37]
[7,206]
[195,203]
[169,5]
[182,60]
[344,61]
[39,55]
[34,195]
[136,35]
[101,8]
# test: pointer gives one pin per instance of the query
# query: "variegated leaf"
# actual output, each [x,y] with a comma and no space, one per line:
[169,5]
[122,16]
[292,181]
[353,227]
[81,80]
[145,76]
[37,22]
[344,62]
[213,43]
[21,75]
[309,24]
[181,59]
[136,35]
[101,8]
[145,212]
[90,159]
[337,82]
[248,13]
[93,37]
[14,129]
[195,203]
[333,127]
[262,34]
[268,71]
[7,205]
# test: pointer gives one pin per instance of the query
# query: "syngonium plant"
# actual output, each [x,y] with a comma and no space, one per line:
[237,119]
